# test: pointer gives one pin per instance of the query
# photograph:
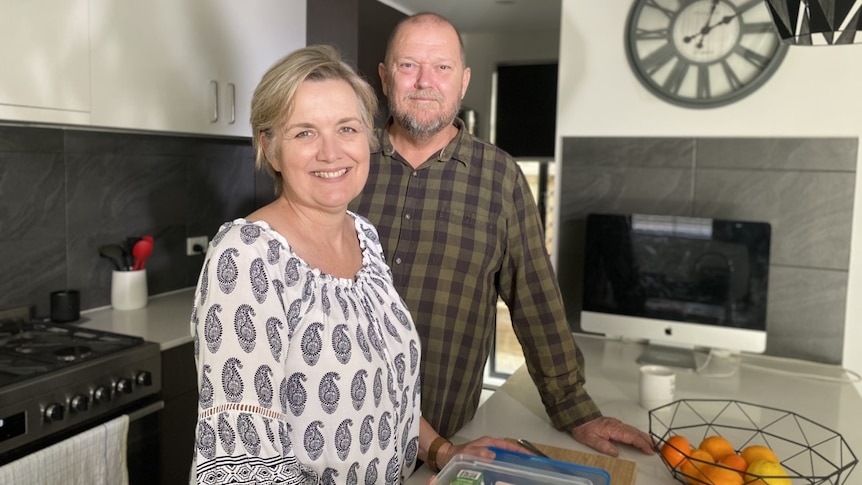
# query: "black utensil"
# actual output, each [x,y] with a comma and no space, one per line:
[115,254]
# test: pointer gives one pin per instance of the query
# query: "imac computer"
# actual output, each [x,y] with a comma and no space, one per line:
[677,283]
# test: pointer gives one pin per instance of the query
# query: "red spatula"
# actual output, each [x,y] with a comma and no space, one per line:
[141,251]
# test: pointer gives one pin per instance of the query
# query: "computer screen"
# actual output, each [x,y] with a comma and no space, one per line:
[683,282]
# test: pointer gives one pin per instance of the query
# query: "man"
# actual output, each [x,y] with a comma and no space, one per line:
[460,228]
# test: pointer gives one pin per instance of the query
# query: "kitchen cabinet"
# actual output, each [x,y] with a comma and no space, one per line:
[179,417]
[188,66]
[44,51]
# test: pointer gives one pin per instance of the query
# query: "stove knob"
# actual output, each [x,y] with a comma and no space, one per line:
[101,395]
[144,378]
[79,403]
[124,386]
[54,412]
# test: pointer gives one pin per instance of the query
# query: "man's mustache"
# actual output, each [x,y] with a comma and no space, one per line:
[424,94]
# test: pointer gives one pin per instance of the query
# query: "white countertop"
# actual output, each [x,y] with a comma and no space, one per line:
[515,410]
[165,319]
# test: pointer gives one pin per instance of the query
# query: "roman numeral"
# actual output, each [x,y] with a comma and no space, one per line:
[703,90]
[654,4]
[644,34]
[677,75]
[757,28]
[749,55]
[732,79]
[658,58]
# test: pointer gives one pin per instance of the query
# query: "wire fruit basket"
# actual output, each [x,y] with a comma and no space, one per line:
[809,452]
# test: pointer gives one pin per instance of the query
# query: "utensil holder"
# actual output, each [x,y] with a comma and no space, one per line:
[129,289]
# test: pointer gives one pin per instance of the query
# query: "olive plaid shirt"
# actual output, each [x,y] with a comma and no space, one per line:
[458,231]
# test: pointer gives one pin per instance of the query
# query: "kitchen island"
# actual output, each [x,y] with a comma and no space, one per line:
[808,389]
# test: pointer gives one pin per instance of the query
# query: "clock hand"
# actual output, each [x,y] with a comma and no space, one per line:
[706,23]
[708,28]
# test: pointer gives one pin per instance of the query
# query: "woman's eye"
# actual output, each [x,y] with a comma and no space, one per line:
[349,129]
[303,134]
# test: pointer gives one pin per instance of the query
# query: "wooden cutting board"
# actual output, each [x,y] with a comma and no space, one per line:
[622,472]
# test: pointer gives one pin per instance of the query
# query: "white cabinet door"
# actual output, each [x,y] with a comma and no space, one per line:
[253,35]
[44,54]
[186,66]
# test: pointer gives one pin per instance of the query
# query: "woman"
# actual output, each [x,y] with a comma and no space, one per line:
[308,360]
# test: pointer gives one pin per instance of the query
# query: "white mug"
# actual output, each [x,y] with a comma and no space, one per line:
[657,386]
[129,289]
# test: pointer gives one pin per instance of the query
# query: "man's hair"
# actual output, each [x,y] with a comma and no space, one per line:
[421,18]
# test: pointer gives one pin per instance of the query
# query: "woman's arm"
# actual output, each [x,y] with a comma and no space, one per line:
[437,451]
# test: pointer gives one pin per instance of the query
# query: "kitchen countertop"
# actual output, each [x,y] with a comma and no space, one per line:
[165,319]
[515,410]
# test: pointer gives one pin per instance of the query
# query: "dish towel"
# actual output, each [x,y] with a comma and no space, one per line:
[94,457]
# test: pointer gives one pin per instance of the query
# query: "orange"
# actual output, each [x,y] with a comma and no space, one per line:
[767,468]
[717,446]
[734,461]
[675,450]
[753,453]
[717,475]
[695,467]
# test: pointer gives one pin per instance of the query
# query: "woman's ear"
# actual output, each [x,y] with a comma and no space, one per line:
[266,144]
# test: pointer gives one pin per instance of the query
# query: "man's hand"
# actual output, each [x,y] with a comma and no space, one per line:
[600,433]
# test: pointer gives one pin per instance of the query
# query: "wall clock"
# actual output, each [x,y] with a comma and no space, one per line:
[702,53]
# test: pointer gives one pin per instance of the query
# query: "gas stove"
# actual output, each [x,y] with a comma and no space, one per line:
[58,379]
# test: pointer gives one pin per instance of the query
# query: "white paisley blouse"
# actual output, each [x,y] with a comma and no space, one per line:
[303,377]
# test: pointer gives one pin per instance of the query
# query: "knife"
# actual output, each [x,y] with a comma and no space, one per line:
[526,444]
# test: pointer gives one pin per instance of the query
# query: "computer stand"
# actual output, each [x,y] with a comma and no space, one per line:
[679,357]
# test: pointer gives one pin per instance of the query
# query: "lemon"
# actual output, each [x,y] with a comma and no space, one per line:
[767,468]
[758,452]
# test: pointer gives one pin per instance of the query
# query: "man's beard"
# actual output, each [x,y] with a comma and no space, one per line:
[427,129]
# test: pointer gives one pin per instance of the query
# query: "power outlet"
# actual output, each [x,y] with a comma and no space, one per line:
[199,241]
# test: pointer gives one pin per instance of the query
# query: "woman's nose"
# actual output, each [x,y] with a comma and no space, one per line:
[328,149]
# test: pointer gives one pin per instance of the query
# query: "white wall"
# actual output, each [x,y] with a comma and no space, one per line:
[814,93]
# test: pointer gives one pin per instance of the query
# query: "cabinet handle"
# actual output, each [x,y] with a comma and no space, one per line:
[214,85]
[232,87]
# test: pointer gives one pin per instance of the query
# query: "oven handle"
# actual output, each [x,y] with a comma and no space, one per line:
[146,411]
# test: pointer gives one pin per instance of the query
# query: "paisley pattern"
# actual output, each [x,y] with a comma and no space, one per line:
[343,354]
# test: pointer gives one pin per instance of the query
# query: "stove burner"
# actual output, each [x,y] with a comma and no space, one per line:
[73,353]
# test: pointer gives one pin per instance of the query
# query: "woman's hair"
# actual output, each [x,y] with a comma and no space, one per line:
[275,97]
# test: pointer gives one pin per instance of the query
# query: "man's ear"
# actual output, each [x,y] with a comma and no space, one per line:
[465,81]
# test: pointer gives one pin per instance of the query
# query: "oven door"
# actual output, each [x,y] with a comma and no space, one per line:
[143,444]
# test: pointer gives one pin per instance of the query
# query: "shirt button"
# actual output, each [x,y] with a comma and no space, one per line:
[407,216]
[397,260]
[415,173]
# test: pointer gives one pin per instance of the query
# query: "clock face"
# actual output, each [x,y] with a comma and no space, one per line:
[702,53]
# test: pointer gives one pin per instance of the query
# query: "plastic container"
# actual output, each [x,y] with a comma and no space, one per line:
[513,468]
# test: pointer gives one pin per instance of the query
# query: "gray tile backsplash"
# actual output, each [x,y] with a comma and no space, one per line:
[65,192]
[804,187]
